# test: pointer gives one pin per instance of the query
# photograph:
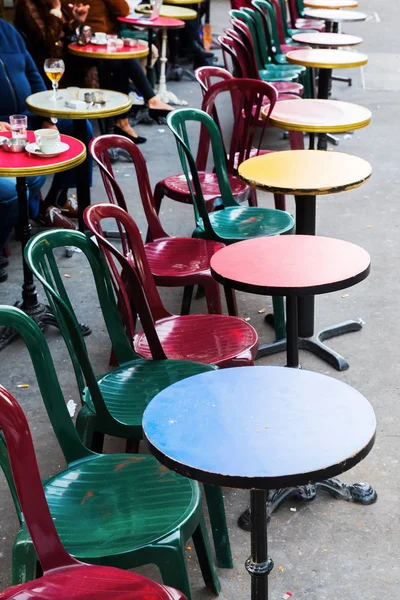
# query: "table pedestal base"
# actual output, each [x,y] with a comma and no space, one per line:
[315,344]
[361,493]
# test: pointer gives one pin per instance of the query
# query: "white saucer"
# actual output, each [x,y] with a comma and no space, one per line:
[33,149]
[96,43]
[3,139]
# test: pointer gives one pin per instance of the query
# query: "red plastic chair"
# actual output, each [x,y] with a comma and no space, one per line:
[212,339]
[174,262]
[205,75]
[64,577]
[297,22]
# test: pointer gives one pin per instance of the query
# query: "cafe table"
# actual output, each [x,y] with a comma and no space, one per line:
[163,23]
[261,429]
[24,165]
[97,51]
[306,174]
[318,116]
[333,17]
[327,40]
[330,4]
[43,105]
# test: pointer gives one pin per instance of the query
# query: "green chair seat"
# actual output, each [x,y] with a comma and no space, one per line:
[236,224]
[128,390]
[268,76]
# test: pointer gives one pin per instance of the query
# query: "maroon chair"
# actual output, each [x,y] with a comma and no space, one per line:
[297,22]
[64,577]
[212,339]
[174,262]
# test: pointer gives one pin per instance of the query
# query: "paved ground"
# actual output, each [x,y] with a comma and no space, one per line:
[326,549]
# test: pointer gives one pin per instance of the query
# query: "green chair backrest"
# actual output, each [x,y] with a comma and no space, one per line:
[177,123]
[284,18]
[39,254]
[264,42]
[47,379]
[268,11]
[300,7]
[246,15]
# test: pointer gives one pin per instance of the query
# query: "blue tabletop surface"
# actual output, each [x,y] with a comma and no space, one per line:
[259,427]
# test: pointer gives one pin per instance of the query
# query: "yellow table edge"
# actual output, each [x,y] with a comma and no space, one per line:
[105,55]
[305,127]
[46,169]
[79,114]
[318,65]
[323,6]
[188,13]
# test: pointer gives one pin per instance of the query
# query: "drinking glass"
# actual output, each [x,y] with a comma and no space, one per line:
[19,124]
[54,69]
[156,8]
[112,43]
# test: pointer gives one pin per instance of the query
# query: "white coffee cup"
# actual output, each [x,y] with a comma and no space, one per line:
[48,140]
[100,37]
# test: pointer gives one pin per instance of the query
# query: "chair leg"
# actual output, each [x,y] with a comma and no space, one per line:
[158,196]
[187,299]
[206,560]
[132,446]
[231,303]
[296,139]
[253,197]
[173,568]
[213,298]
[24,561]
[279,317]
[219,527]
[280,201]
[86,428]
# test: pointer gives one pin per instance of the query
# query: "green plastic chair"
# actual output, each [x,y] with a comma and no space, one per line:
[233,223]
[114,402]
[112,509]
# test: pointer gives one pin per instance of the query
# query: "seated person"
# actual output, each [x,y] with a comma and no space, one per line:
[19,78]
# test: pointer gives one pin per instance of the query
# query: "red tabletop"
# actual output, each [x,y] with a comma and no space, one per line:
[158,22]
[290,265]
[100,51]
[24,164]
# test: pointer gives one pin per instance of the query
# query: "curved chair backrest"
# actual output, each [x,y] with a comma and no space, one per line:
[39,254]
[136,279]
[206,76]
[266,10]
[248,97]
[239,59]
[285,18]
[28,485]
[247,45]
[47,379]
[245,15]
[294,14]
[99,148]
[177,123]
[266,44]
[281,30]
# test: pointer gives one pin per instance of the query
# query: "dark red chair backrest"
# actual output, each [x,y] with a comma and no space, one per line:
[279,20]
[248,97]
[294,15]
[205,76]
[229,51]
[135,282]
[245,40]
[99,148]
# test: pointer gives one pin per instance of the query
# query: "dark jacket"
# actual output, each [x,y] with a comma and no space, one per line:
[19,76]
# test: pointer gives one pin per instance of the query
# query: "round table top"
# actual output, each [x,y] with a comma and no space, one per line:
[174,12]
[305,172]
[96,51]
[182,2]
[24,164]
[335,4]
[334,15]
[41,104]
[261,427]
[318,116]
[328,40]
[160,22]
[302,265]
[324,58]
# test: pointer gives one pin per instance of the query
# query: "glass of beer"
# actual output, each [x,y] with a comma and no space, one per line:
[54,69]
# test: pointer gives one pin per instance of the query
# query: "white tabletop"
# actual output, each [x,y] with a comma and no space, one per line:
[43,105]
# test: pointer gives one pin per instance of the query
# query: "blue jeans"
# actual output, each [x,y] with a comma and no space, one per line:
[9,203]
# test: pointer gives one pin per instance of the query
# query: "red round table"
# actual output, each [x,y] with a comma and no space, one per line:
[163,23]
[300,265]
[23,165]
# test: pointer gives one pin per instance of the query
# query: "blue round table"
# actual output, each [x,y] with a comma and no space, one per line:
[259,428]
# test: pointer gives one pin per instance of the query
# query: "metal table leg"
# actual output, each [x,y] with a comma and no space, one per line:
[82,172]
[259,565]
[149,66]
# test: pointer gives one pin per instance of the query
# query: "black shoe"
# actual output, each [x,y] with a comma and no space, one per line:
[3,261]
[3,275]
[136,140]
[158,113]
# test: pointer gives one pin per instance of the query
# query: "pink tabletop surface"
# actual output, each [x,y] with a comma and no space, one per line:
[158,22]
[289,264]
[327,39]
[24,164]
[97,49]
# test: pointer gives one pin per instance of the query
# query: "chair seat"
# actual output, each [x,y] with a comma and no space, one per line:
[91,582]
[212,339]
[289,48]
[177,187]
[285,87]
[268,76]
[312,24]
[128,389]
[236,224]
[119,513]
[180,257]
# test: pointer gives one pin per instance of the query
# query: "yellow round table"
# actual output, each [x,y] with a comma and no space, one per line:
[331,4]
[43,105]
[174,12]
[319,116]
[100,52]
[327,40]
[307,174]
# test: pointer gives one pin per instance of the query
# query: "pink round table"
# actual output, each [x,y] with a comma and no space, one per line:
[327,40]
[163,23]
[24,165]
[100,52]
